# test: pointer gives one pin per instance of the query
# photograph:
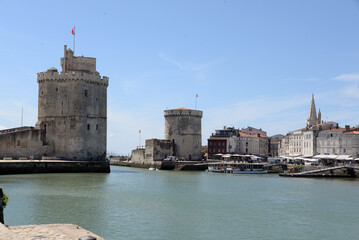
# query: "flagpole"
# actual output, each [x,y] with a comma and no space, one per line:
[22,115]
[195,108]
[74,38]
[139,142]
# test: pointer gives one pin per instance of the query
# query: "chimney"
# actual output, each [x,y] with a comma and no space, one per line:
[347,127]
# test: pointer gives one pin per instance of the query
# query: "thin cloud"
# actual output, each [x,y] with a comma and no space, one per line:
[199,71]
[351,77]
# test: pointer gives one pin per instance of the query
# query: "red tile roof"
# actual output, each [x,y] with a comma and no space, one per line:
[352,132]
[334,130]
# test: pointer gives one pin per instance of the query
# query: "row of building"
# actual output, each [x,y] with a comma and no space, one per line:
[320,138]
[242,141]
[317,138]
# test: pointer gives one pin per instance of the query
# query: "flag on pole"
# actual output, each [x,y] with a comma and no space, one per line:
[197,95]
[139,131]
[73,31]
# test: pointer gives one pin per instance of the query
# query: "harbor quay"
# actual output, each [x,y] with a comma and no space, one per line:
[52,166]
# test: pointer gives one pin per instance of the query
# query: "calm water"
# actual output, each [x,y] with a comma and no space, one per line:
[133,203]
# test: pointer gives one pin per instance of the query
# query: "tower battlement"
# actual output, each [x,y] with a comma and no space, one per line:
[71,63]
[53,75]
[183,112]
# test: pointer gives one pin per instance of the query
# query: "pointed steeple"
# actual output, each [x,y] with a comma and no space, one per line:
[312,118]
[319,117]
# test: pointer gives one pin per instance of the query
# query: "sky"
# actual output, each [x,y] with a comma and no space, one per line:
[252,63]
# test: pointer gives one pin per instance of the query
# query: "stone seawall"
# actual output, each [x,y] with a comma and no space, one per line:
[168,165]
[51,166]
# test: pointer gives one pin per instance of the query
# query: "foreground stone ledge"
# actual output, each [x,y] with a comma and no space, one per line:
[46,231]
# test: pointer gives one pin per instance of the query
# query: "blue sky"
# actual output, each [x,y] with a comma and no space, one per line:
[253,63]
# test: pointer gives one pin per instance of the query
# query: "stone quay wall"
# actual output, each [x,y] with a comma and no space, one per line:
[47,166]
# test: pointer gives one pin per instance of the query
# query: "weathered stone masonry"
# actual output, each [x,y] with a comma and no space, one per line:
[183,127]
[72,114]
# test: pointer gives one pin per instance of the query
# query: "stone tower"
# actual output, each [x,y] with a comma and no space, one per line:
[72,109]
[183,127]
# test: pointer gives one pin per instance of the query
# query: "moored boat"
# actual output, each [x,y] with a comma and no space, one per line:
[237,168]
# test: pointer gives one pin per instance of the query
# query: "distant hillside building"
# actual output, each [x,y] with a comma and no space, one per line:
[72,115]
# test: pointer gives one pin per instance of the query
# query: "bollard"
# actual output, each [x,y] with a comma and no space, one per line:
[88,237]
[1,207]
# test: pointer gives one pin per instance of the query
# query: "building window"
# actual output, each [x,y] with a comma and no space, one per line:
[86,93]
[96,127]
[57,89]
[88,126]
[18,143]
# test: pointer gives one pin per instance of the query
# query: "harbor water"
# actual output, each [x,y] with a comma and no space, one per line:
[132,203]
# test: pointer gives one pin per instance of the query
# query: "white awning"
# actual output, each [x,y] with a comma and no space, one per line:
[310,160]
[344,157]
[326,156]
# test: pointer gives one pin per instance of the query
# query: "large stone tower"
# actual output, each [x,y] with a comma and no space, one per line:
[72,109]
[183,126]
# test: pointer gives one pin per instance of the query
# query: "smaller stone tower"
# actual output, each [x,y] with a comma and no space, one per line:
[183,127]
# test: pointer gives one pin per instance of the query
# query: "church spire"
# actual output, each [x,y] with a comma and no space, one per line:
[312,118]
[319,117]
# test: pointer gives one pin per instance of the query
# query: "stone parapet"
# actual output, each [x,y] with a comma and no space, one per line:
[52,75]
[183,112]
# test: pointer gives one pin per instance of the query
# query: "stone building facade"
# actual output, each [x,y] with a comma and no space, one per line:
[72,115]
[231,140]
[339,141]
[158,149]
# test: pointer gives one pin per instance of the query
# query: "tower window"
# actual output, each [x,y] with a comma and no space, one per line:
[57,89]
[96,127]
[86,93]
[88,126]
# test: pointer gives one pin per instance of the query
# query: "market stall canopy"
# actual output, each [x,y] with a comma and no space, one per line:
[344,157]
